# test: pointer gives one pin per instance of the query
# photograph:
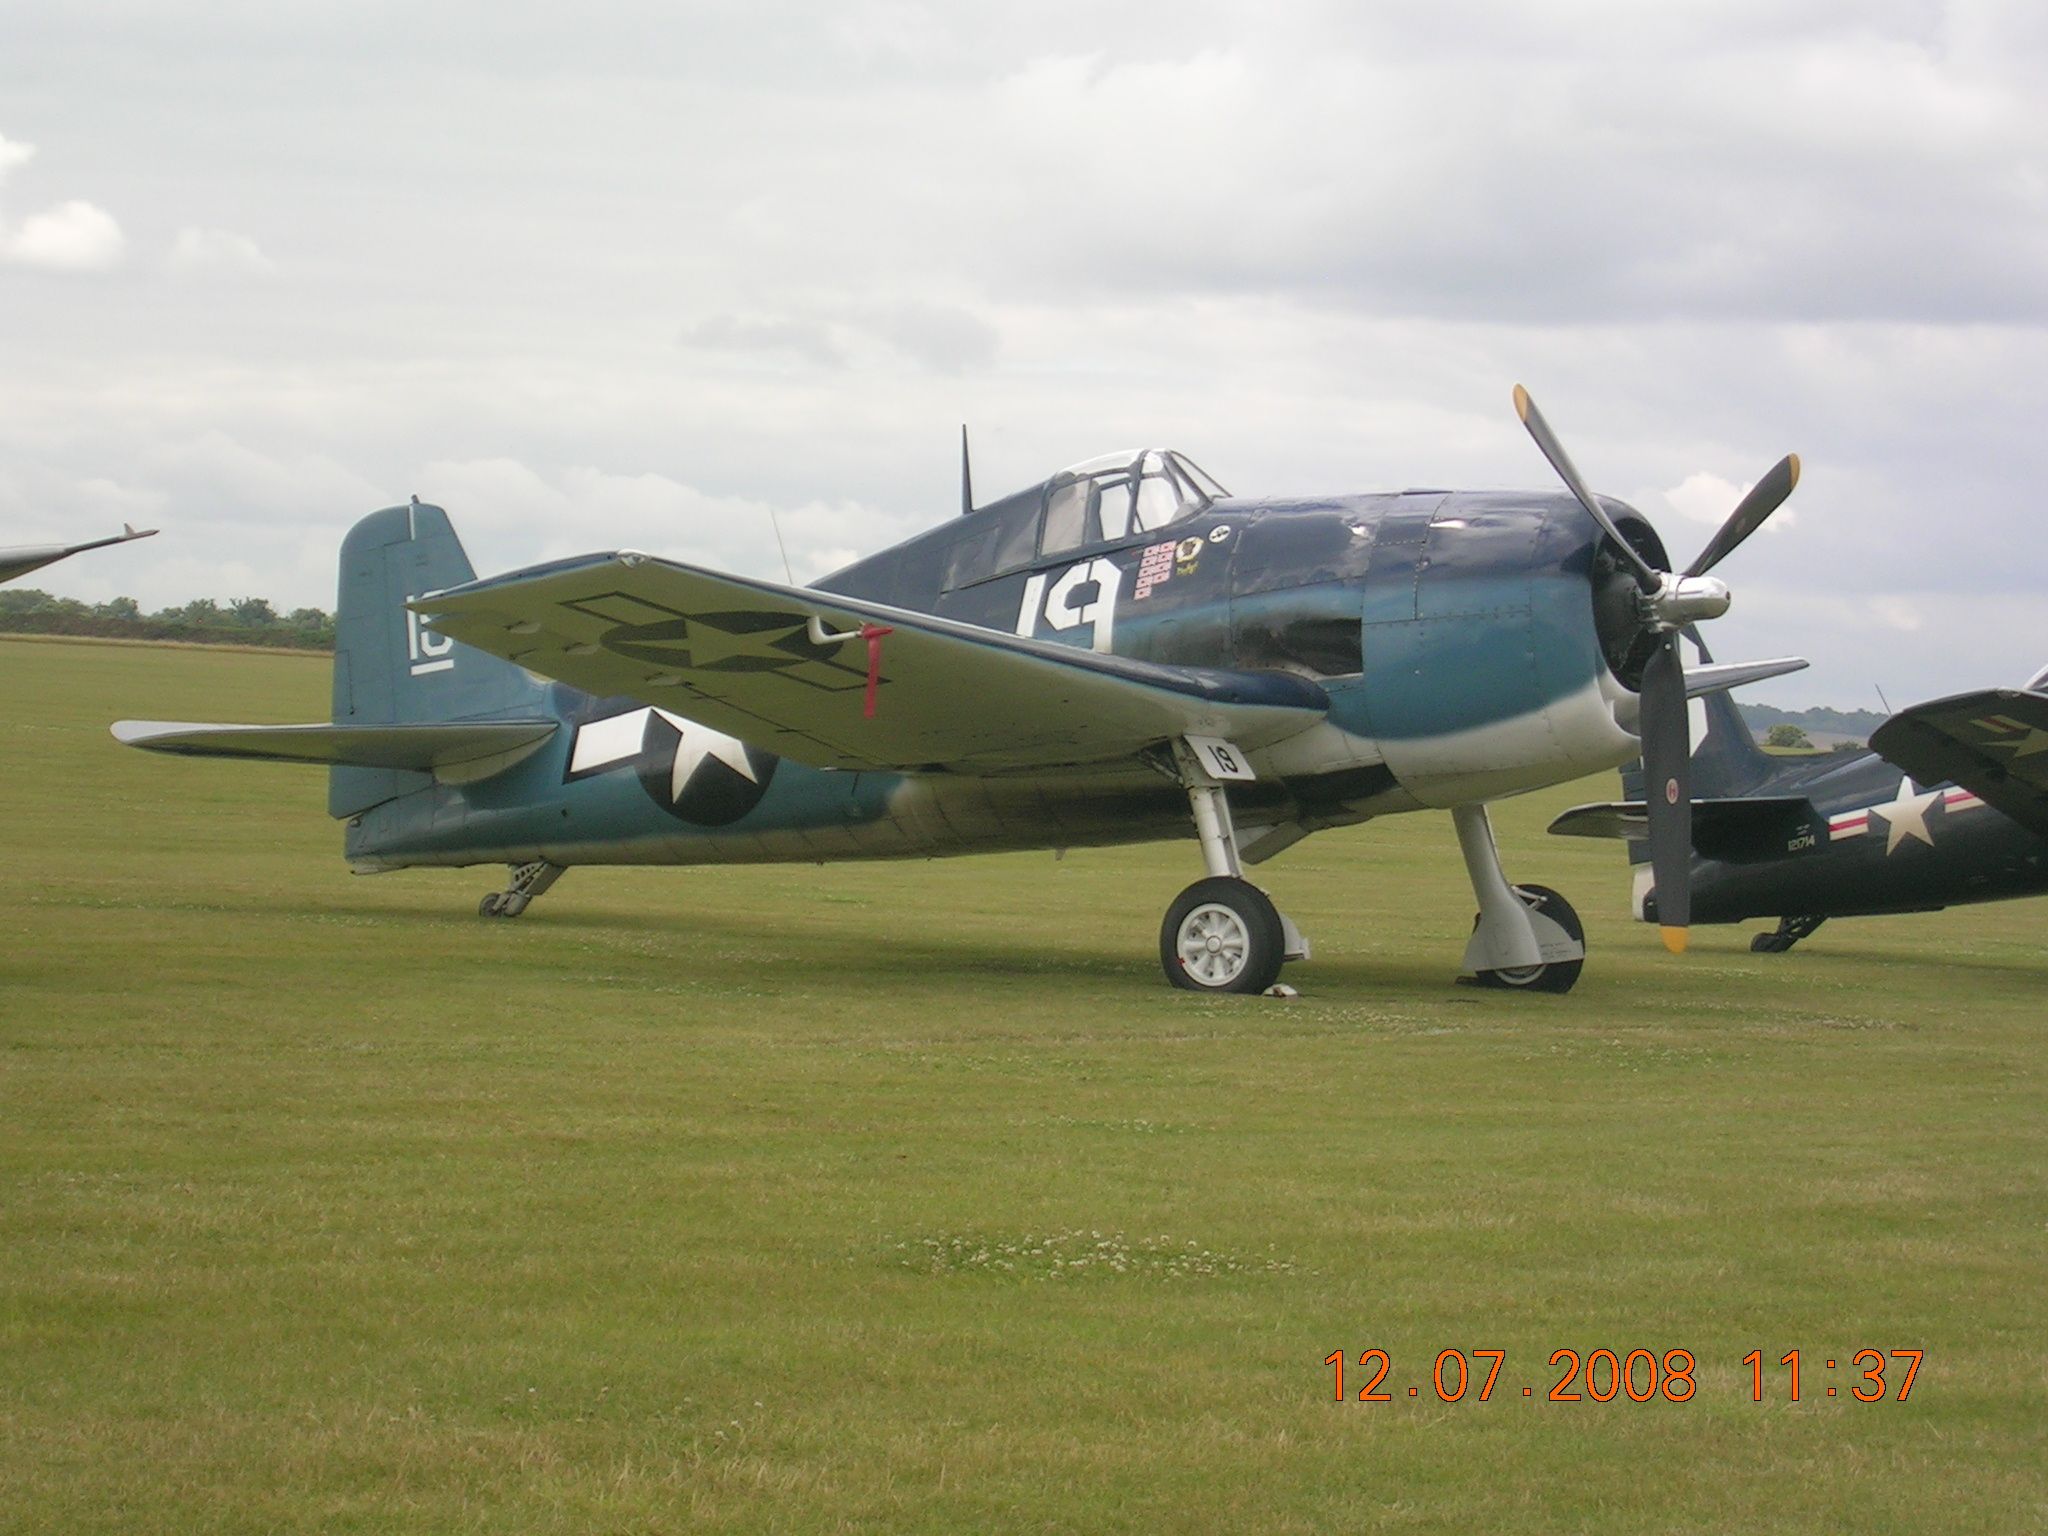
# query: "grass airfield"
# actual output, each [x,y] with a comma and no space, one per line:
[909,1197]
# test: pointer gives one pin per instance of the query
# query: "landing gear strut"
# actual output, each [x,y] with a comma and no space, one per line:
[1790,931]
[1222,934]
[528,881]
[1525,936]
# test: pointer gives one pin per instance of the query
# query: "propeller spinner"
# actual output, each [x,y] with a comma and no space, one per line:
[1667,601]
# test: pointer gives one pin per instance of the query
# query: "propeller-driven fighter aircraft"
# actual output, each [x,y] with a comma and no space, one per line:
[23,558]
[1949,806]
[1122,653]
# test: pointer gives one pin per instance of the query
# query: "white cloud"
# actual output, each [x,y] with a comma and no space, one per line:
[198,252]
[1707,499]
[13,153]
[72,237]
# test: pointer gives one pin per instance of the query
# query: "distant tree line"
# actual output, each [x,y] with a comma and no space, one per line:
[1858,723]
[1787,737]
[239,621]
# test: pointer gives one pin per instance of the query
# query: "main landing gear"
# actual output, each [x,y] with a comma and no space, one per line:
[1222,934]
[528,881]
[1525,936]
[1790,931]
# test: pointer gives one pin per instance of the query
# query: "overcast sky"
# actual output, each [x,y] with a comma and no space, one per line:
[634,274]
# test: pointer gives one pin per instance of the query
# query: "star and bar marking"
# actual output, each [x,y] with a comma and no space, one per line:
[617,739]
[733,642]
[1904,815]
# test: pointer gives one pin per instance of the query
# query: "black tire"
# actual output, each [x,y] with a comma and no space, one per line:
[1560,975]
[1229,931]
[491,906]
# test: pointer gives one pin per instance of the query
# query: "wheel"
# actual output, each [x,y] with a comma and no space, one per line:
[492,905]
[1559,975]
[1222,935]
[1790,931]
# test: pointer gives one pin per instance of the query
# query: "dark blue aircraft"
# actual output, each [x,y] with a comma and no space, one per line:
[1124,652]
[1949,806]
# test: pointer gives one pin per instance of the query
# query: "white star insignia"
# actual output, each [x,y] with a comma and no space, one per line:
[699,742]
[1905,815]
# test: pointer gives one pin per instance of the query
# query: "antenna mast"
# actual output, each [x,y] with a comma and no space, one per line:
[776,523]
[966,475]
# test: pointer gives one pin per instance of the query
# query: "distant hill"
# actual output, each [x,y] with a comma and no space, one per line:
[1824,727]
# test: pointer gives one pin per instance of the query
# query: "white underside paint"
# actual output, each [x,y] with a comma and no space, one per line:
[1322,748]
[1577,735]
[1641,883]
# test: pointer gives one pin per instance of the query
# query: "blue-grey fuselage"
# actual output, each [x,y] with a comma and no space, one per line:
[1469,644]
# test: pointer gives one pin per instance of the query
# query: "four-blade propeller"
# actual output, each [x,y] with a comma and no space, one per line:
[1666,602]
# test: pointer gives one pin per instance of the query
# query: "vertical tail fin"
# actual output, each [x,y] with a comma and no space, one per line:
[389,669]
[1726,761]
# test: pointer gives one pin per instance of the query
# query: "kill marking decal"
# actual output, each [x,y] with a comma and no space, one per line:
[1158,563]
[1155,568]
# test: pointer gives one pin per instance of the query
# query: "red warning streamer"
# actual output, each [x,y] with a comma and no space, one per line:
[873,633]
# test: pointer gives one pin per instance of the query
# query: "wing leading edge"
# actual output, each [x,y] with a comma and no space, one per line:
[839,682]
[23,558]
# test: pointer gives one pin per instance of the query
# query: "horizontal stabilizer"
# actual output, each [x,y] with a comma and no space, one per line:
[842,682]
[1717,677]
[1735,831]
[454,753]
[1993,743]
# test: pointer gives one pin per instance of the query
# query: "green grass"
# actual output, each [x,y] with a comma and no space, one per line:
[685,1200]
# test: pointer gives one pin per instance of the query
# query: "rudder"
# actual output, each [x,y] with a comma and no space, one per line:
[389,668]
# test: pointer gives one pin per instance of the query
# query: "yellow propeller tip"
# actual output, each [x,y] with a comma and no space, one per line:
[1795,467]
[1521,402]
[1675,939]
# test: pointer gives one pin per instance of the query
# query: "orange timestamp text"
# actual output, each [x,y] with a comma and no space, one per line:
[1607,1375]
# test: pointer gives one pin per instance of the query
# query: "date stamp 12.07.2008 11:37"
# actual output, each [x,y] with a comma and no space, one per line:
[1636,1376]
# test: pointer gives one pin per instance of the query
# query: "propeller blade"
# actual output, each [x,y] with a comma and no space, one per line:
[1764,498]
[1553,450]
[1667,787]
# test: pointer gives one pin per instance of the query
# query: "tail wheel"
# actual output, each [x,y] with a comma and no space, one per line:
[1222,935]
[1559,975]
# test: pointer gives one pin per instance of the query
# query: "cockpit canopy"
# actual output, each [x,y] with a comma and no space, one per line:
[1116,496]
[1119,494]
